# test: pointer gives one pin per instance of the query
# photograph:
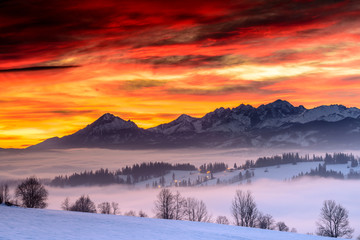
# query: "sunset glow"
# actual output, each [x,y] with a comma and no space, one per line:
[65,63]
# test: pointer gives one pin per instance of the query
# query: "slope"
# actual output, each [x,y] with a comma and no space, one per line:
[19,223]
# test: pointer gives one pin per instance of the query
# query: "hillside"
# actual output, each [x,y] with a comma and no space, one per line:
[19,223]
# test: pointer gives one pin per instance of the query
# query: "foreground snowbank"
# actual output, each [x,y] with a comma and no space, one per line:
[19,223]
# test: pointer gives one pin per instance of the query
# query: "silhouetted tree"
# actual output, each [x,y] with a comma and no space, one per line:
[244,209]
[130,213]
[196,210]
[32,193]
[334,221]
[165,204]
[115,208]
[1,194]
[4,194]
[83,204]
[265,221]
[222,220]
[104,208]
[281,226]
[143,214]
[66,204]
[179,204]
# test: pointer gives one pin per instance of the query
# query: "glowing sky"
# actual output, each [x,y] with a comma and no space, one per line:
[64,63]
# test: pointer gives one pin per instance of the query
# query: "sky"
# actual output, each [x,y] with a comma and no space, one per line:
[65,63]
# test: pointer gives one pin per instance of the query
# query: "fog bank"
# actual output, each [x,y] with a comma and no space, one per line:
[297,203]
[56,162]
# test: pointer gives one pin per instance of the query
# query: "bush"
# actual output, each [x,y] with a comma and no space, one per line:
[83,204]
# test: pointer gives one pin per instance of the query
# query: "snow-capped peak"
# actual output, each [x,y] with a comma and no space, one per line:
[278,104]
[107,117]
[110,122]
[330,113]
[185,117]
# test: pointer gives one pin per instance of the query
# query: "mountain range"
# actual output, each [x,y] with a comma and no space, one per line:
[277,124]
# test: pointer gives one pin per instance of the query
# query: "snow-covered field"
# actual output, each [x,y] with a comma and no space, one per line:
[18,223]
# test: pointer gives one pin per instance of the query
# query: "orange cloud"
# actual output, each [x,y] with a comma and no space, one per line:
[62,65]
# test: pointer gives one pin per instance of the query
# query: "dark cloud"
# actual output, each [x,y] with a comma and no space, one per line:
[253,87]
[37,68]
[194,60]
[52,29]
[256,20]
[288,55]
[130,85]
[352,78]
[278,56]
[70,112]
[139,84]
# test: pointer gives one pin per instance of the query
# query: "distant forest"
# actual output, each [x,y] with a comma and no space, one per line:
[213,168]
[133,174]
[145,171]
[321,171]
[293,158]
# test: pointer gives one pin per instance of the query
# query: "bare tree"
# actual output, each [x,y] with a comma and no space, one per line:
[115,208]
[189,209]
[83,204]
[222,220]
[143,214]
[202,214]
[65,205]
[179,204]
[1,194]
[334,221]
[165,204]
[32,193]
[4,194]
[265,221]
[282,227]
[244,209]
[104,208]
[196,210]
[130,213]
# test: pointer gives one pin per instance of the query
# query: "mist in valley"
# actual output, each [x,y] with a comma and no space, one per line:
[47,164]
[297,203]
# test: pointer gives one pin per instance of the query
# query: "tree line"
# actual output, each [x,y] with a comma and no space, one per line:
[333,220]
[145,171]
[134,174]
[213,168]
[294,158]
[322,171]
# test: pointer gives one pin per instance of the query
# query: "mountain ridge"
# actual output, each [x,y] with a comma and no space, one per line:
[275,124]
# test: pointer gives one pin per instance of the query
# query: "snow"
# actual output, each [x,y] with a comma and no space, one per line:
[109,122]
[271,115]
[331,113]
[229,177]
[19,223]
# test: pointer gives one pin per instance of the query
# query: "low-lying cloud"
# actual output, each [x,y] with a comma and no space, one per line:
[296,203]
